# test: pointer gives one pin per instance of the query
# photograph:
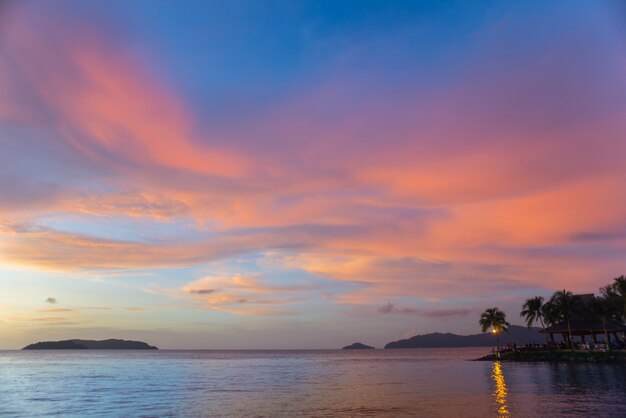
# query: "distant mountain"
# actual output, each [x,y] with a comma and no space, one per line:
[357,346]
[517,334]
[110,344]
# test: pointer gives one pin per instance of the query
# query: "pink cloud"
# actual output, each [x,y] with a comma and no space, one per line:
[105,102]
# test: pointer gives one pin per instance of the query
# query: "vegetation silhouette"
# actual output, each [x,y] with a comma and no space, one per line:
[562,304]
[496,319]
[532,312]
[609,307]
[110,344]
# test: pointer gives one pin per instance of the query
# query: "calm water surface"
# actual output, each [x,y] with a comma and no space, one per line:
[419,382]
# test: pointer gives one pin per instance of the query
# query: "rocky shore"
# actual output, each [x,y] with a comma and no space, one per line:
[561,356]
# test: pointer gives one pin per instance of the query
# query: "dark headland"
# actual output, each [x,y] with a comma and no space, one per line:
[516,335]
[358,346]
[110,344]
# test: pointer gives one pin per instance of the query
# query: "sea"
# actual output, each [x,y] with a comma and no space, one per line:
[308,383]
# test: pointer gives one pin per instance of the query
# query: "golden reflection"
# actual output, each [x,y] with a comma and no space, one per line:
[500,390]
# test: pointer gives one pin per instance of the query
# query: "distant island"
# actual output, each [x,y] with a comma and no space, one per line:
[111,344]
[358,346]
[517,335]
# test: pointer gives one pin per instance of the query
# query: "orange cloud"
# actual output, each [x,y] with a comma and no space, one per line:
[128,115]
[244,295]
[49,249]
[139,205]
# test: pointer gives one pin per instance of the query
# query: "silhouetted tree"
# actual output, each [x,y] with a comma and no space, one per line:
[614,300]
[619,286]
[562,304]
[532,312]
[550,313]
[601,309]
[496,319]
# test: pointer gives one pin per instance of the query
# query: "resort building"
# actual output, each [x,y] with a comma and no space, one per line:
[582,325]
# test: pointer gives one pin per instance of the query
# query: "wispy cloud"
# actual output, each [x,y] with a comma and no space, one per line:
[244,295]
[428,313]
[57,310]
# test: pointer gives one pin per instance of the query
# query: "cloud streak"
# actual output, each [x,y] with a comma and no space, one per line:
[428,313]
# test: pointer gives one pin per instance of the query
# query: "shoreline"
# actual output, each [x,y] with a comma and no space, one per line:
[561,356]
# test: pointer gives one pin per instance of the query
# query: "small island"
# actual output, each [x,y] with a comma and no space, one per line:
[358,346]
[110,344]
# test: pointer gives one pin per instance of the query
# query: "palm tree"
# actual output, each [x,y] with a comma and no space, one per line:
[601,309]
[532,311]
[550,314]
[563,304]
[619,286]
[615,301]
[496,319]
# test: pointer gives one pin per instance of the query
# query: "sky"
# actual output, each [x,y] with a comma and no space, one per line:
[304,174]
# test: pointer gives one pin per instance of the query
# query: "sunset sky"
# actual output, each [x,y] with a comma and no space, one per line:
[293,174]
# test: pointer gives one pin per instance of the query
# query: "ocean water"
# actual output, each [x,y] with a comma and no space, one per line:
[320,383]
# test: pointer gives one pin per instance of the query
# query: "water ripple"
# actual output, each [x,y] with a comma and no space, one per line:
[325,383]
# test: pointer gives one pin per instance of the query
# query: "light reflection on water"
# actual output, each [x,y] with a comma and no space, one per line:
[419,382]
[500,389]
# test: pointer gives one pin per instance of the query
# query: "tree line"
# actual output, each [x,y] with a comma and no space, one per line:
[609,305]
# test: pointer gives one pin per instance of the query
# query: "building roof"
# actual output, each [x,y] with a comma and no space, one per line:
[585,327]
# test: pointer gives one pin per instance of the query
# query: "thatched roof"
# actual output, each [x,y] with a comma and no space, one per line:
[580,323]
[585,327]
